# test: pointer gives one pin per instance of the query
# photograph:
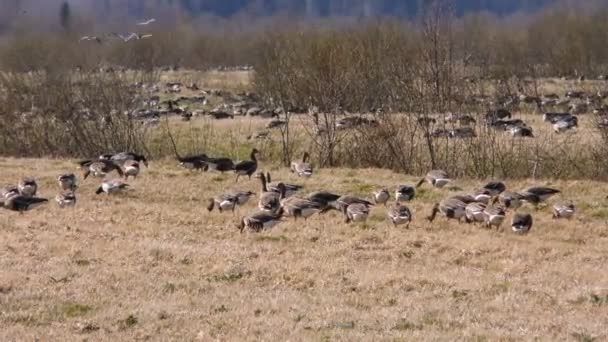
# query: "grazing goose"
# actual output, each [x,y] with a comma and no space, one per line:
[242,197]
[405,193]
[495,188]
[451,208]
[290,189]
[131,168]
[20,203]
[436,178]
[510,200]
[122,157]
[196,162]
[111,186]
[300,207]
[66,199]
[346,200]
[482,196]
[247,167]
[303,168]
[270,200]
[223,202]
[28,187]
[537,195]
[67,181]
[474,212]
[261,220]
[400,214]
[521,132]
[494,216]
[464,198]
[563,210]
[381,196]
[355,212]
[565,125]
[521,223]
[327,200]
[219,164]
[102,167]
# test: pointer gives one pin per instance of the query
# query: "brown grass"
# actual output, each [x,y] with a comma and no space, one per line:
[153,264]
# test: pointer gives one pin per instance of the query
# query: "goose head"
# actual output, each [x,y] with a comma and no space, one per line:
[434,212]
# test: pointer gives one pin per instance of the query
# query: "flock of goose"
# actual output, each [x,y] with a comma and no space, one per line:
[487,205]
[124,38]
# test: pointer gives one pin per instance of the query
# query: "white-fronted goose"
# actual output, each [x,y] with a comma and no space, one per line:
[269,200]
[66,199]
[405,193]
[381,196]
[242,197]
[122,157]
[261,220]
[131,168]
[521,223]
[537,195]
[21,203]
[223,202]
[355,212]
[102,167]
[67,181]
[494,216]
[219,164]
[482,196]
[495,188]
[300,207]
[326,199]
[563,210]
[290,189]
[27,187]
[400,214]
[346,200]
[451,208]
[474,212]
[436,178]
[247,167]
[510,200]
[111,186]
[302,168]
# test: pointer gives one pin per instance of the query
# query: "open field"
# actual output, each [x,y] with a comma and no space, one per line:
[154,264]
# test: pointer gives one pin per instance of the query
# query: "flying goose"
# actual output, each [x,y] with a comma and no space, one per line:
[303,168]
[521,223]
[327,200]
[451,208]
[510,200]
[67,181]
[355,212]
[223,202]
[146,22]
[102,167]
[66,199]
[28,187]
[261,220]
[381,196]
[405,193]
[111,186]
[131,168]
[89,38]
[474,212]
[290,189]
[537,195]
[270,200]
[122,157]
[20,203]
[494,216]
[436,178]
[563,210]
[400,214]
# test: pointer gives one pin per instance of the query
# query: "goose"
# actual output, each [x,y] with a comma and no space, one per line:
[482,196]
[67,181]
[261,220]
[270,200]
[146,22]
[537,195]
[9,190]
[466,199]
[494,216]
[355,212]
[223,202]
[327,200]
[565,125]
[303,168]
[90,38]
[102,167]
[405,193]
[381,196]
[451,208]
[474,212]
[563,210]
[300,207]
[66,199]
[28,187]
[495,188]
[219,164]
[20,203]
[122,157]
[196,162]
[111,186]
[509,200]
[290,189]
[131,168]
[242,197]
[521,223]
[400,214]
[436,178]
[521,132]
[346,200]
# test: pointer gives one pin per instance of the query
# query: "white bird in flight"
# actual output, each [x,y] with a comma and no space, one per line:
[146,22]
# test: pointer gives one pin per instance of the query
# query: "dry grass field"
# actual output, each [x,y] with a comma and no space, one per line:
[153,264]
